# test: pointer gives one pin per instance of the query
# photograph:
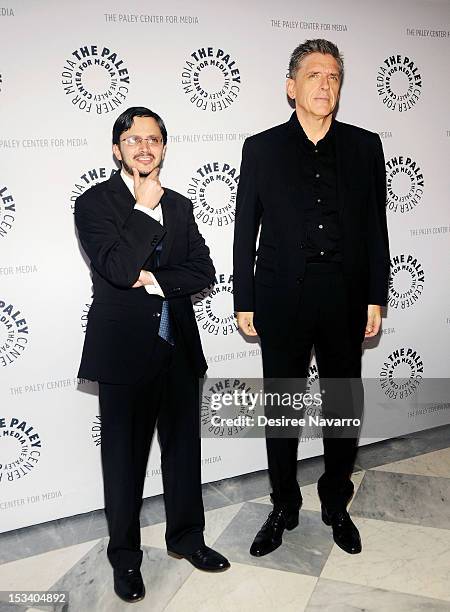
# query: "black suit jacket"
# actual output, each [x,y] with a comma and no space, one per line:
[123,323]
[269,199]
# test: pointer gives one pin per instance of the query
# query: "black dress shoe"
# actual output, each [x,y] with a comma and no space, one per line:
[128,584]
[345,533]
[205,559]
[270,536]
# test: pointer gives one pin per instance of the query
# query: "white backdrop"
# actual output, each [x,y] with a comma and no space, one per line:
[216,73]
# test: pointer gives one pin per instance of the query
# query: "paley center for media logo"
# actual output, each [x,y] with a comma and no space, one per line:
[399,83]
[406,281]
[212,190]
[401,373]
[211,79]
[213,307]
[14,333]
[96,79]
[404,183]
[216,389]
[20,448]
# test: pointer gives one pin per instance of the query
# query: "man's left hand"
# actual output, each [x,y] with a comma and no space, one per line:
[373,320]
[145,278]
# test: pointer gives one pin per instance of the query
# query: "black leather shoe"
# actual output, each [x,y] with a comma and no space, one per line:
[270,536]
[205,559]
[128,584]
[345,533]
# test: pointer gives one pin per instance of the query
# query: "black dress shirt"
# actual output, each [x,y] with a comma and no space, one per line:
[317,168]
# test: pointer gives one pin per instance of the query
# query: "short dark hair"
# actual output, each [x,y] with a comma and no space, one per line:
[125,121]
[316,45]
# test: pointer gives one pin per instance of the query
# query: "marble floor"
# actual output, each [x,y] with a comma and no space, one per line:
[401,507]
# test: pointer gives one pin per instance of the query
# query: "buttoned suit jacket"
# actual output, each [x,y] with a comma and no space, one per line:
[123,322]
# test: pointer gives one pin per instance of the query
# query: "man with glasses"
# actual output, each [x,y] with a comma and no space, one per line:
[143,347]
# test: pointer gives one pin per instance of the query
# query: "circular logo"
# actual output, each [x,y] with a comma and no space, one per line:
[401,373]
[14,333]
[213,408]
[399,83]
[89,179]
[212,191]
[84,315]
[7,211]
[406,281]
[211,79]
[213,307]
[20,449]
[404,182]
[96,79]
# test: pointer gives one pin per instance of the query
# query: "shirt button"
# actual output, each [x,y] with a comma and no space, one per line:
[319,200]
[317,175]
[316,151]
[322,253]
[321,226]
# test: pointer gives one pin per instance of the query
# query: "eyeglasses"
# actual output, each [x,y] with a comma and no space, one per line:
[133,141]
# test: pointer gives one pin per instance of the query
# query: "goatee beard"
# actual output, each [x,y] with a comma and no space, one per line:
[129,170]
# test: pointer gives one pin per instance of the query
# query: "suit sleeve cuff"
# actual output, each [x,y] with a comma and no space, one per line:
[154,289]
[151,212]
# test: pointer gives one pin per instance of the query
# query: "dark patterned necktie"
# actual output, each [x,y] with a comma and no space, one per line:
[165,325]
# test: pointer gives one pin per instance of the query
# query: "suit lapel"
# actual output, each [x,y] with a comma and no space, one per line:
[124,198]
[170,214]
[290,159]
[122,195]
[342,160]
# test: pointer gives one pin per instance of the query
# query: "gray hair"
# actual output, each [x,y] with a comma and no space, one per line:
[316,45]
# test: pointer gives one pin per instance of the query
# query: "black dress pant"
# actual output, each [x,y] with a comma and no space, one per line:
[325,323]
[167,397]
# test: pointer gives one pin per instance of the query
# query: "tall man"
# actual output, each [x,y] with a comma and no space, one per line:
[143,347]
[315,188]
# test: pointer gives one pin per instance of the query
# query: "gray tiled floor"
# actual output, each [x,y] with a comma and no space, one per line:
[64,532]
[304,550]
[404,498]
[334,596]
[394,507]
[91,587]
[401,448]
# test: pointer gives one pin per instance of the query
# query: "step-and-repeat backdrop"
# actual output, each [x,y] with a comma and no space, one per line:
[216,73]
